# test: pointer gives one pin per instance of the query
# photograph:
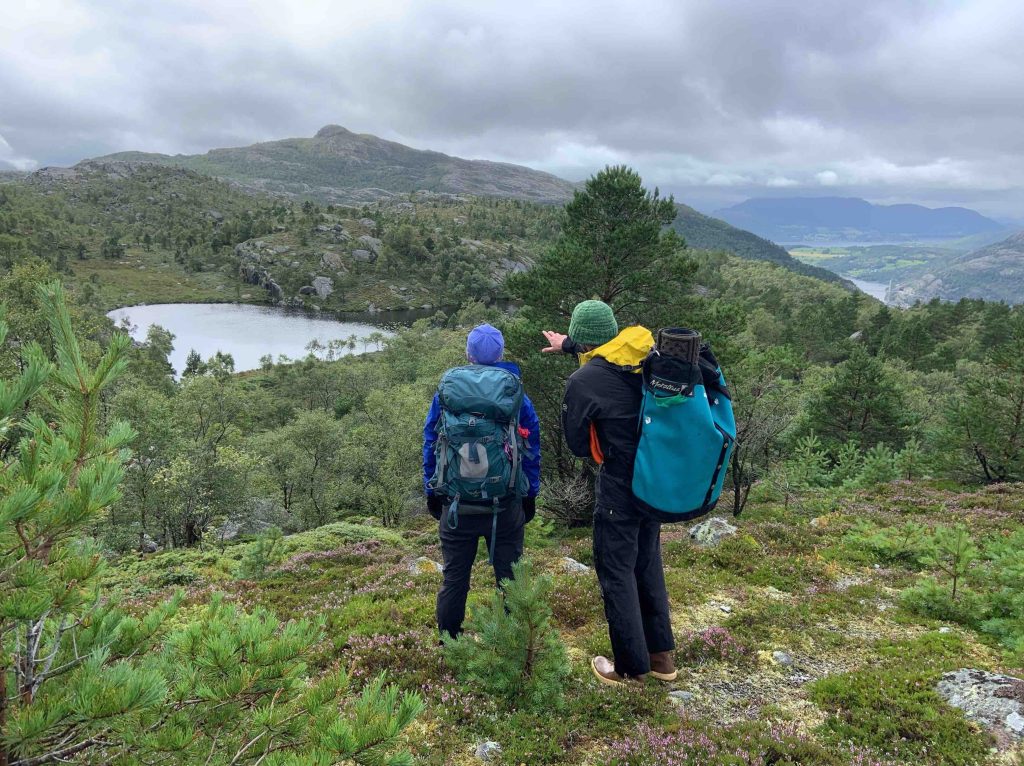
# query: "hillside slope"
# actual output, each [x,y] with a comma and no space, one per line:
[994,272]
[820,219]
[703,232]
[339,166]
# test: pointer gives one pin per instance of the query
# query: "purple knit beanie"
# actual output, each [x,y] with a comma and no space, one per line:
[484,345]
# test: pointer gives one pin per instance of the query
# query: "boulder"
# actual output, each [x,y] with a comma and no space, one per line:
[371,243]
[148,544]
[332,261]
[364,256]
[711,532]
[574,566]
[307,290]
[324,286]
[369,223]
[995,701]
[782,658]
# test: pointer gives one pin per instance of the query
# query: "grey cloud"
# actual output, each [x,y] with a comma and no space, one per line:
[912,100]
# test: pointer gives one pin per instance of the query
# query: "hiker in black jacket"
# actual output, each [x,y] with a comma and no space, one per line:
[599,418]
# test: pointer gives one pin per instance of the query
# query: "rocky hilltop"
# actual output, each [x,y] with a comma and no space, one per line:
[339,166]
[994,272]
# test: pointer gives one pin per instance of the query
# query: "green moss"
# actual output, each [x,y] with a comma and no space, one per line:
[898,713]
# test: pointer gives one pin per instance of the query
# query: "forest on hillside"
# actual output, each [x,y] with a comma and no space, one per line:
[204,569]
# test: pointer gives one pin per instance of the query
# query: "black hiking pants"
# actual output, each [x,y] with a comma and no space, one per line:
[627,557]
[459,548]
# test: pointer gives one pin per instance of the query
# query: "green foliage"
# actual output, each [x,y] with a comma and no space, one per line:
[899,714]
[952,552]
[77,674]
[510,649]
[861,400]
[905,545]
[807,467]
[879,466]
[267,551]
[910,461]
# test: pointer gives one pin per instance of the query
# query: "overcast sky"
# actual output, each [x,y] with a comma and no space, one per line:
[716,101]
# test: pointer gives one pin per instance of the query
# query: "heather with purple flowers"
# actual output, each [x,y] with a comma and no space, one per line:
[714,644]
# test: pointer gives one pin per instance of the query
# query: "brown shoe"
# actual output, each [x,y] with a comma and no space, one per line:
[604,669]
[663,666]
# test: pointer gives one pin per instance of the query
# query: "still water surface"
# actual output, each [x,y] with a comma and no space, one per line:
[874,289]
[245,332]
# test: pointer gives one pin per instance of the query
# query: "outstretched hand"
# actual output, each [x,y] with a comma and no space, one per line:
[555,341]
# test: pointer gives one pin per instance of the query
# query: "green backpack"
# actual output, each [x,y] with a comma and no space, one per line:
[479,449]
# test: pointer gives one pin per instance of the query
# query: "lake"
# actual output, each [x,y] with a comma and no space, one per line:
[874,289]
[246,332]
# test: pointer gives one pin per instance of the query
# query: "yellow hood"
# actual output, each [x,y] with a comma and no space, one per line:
[627,349]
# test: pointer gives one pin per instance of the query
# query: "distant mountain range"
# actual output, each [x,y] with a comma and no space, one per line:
[339,166]
[706,233]
[810,220]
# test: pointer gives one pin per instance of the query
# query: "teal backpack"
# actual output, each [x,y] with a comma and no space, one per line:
[687,429]
[479,449]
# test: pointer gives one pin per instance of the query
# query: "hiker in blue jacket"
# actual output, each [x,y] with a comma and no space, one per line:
[461,531]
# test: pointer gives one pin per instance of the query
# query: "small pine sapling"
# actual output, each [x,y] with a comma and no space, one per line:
[952,552]
[510,649]
[879,467]
[849,463]
[807,468]
[265,552]
[910,461]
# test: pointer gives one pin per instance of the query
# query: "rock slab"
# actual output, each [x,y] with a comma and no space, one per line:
[995,701]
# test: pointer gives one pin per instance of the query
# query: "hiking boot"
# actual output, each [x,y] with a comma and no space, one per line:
[604,669]
[663,666]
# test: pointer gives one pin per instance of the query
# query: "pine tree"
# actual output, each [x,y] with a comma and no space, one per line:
[265,552]
[952,552]
[81,678]
[510,649]
[806,468]
[910,460]
[879,467]
[848,465]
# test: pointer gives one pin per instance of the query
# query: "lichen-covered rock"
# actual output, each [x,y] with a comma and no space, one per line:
[993,700]
[423,565]
[487,751]
[711,532]
[364,256]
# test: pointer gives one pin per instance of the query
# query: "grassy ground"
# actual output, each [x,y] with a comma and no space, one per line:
[854,685]
[153,277]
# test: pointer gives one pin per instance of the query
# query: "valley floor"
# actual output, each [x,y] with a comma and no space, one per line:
[794,597]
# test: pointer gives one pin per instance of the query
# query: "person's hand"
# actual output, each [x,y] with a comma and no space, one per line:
[555,341]
[434,506]
[529,508]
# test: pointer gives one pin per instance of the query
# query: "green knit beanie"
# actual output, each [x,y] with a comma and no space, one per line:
[593,323]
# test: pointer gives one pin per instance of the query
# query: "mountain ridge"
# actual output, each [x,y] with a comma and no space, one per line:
[817,219]
[337,165]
